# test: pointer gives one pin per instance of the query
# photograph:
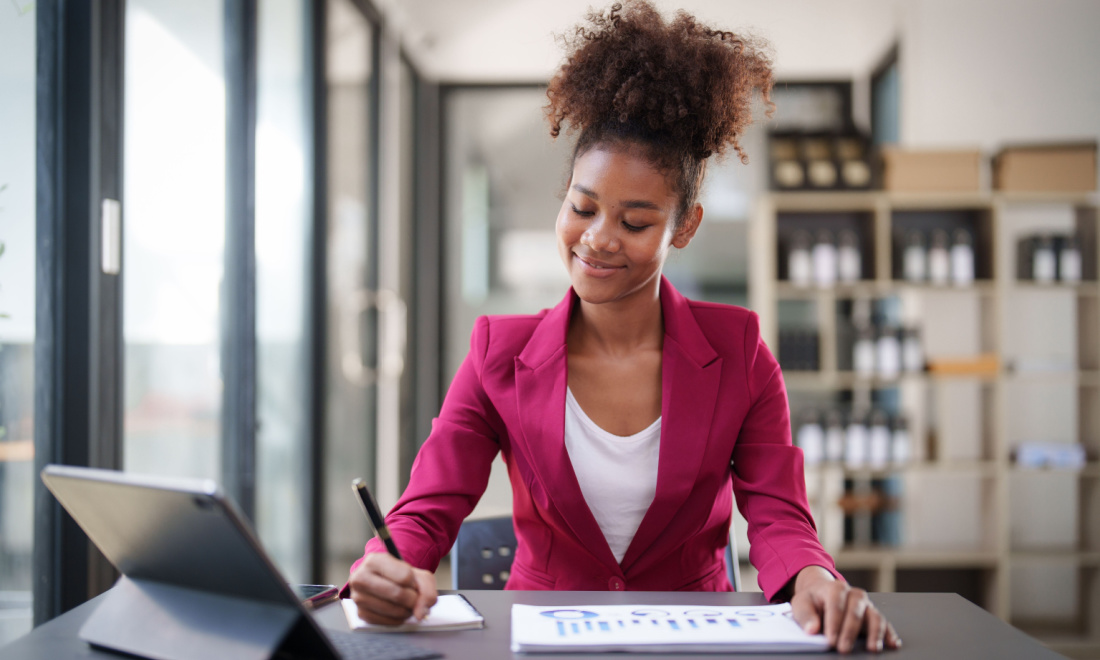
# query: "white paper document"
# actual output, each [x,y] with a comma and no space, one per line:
[660,629]
[450,612]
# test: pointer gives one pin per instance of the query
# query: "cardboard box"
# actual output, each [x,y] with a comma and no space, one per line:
[931,171]
[1046,168]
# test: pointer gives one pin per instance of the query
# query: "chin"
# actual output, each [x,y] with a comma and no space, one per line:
[595,293]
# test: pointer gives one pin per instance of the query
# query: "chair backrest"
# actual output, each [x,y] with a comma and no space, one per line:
[733,563]
[482,555]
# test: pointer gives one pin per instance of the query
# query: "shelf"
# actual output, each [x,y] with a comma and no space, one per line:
[1074,198]
[826,201]
[1081,557]
[784,290]
[861,289]
[1083,289]
[901,558]
[850,380]
[1091,470]
[982,322]
[868,200]
[1083,376]
[979,468]
[844,379]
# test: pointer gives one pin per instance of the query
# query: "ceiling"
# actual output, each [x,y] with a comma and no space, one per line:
[514,40]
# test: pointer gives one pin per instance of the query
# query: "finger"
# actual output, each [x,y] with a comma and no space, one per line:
[427,593]
[376,610]
[893,641]
[393,569]
[805,613]
[386,589]
[876,629]
[853,620]
[835,601]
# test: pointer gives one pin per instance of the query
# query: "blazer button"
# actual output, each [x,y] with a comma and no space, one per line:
[616,584]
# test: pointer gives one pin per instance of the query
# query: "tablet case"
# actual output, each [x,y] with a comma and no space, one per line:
[196,582]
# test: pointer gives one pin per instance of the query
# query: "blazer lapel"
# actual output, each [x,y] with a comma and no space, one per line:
[690,378]
[541,381]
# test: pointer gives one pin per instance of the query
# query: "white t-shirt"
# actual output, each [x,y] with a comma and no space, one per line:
[617,475]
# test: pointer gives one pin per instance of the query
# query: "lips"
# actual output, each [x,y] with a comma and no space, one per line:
[596,264]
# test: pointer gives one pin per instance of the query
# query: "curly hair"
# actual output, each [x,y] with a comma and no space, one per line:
[679,90]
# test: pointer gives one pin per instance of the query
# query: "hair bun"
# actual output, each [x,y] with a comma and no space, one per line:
[628,71]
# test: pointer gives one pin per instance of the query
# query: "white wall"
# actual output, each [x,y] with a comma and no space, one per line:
[991,72]
[514,40]
[978,73]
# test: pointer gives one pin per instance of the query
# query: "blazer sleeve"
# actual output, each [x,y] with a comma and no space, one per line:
[451,470]
[768,479]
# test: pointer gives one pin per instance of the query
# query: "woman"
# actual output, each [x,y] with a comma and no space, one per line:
[619,411]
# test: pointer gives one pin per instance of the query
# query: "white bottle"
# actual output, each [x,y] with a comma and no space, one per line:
[879,441]
[863,353]
[912,353]
[888,354]
[855,443]
[899,449]
[824,258]
[914,258]
[1042,260]
[962,259]
[849,260]
[811,440]
[1069,261]
[799,264]
[939,263]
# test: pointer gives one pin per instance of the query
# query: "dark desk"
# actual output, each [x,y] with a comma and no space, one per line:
[933,626]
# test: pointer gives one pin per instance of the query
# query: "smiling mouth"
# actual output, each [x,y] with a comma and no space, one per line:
[594,265]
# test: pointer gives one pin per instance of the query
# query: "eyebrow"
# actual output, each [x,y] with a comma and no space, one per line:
[630,204]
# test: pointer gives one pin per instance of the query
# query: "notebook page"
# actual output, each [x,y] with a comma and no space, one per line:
[450,612]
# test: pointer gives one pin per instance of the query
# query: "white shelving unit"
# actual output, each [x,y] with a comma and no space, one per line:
[1024,543]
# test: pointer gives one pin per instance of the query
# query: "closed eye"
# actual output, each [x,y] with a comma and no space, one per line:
[633,228]
[583,214]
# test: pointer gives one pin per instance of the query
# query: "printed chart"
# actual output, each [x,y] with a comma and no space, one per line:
[660,628]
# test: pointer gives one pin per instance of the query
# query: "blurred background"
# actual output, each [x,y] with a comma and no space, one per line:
[247,240]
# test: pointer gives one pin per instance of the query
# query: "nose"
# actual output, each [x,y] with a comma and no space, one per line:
[600,235]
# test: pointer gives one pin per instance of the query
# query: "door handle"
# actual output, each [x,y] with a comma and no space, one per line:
[392,329]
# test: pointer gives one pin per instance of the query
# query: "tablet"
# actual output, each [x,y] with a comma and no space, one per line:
[182,532]
[195,579]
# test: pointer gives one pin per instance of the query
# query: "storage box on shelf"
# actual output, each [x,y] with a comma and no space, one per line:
[1009,360]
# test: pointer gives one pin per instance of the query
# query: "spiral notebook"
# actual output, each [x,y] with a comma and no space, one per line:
[450,612]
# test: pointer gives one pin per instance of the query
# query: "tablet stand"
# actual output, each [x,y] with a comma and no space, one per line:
[155,620]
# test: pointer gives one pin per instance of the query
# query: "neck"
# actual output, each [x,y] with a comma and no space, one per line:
[618,328]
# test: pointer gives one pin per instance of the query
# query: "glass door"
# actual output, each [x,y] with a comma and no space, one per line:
[174,236]
[176,314]
[351,75]
[17,316]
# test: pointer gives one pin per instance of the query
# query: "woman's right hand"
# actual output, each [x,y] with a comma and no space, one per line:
[388,591]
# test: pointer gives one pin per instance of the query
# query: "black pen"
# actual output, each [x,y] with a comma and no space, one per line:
[370,507]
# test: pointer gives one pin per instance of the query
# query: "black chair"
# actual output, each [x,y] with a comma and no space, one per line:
[733,564]
[482,555]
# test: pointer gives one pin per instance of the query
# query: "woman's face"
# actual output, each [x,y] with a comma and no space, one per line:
[617,225]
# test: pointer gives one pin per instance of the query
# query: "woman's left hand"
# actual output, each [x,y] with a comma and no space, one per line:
[823,604]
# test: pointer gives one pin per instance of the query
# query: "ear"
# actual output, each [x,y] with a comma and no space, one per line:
[688,227]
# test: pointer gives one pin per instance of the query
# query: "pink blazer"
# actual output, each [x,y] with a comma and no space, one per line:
[725,420]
